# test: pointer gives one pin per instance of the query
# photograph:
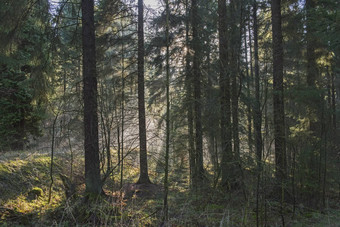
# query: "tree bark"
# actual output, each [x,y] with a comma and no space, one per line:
[92,170]
[311,58]
[144,176]
[167,143]
[189,100]
[121,158]
[234,72]
[249,109]
[278,101]
[224,94]
[197,91]
[257,106]
[257,111]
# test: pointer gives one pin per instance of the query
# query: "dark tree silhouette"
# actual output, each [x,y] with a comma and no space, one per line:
[144,176]
[92,169]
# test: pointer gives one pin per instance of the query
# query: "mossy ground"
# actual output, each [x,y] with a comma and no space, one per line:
[25,173]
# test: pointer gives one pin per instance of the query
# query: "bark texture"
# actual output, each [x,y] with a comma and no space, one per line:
[92,169]
[278,102]
[197,91]
[224,93]
[144,175]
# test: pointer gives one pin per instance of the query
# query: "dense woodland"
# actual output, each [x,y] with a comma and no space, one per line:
[192,113]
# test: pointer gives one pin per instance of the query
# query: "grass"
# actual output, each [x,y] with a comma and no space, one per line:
[25,180]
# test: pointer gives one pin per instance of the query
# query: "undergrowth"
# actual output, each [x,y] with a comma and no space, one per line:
[24,189]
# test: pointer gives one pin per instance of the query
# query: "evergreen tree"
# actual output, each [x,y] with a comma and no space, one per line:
[144,175]
[25,68]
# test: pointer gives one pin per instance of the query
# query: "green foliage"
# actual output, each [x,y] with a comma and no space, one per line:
[18,117]
[24,70]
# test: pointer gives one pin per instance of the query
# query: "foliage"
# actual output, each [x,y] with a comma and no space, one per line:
[24,69]
[18,117]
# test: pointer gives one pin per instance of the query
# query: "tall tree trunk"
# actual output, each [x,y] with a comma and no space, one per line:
[91,144]
[224,94]
[189,100]
[310,37]
[278,101]
[314,101]
[249,109]
[257,105]
[121,158]
[234,47]
[167,142]
[197,91]
[257,110]
[144,176]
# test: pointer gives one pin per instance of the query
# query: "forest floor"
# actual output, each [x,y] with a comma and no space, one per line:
[24,193]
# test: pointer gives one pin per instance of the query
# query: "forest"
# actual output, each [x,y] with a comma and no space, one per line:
[169,113]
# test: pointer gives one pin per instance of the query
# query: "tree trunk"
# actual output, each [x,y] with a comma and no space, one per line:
[92,170]
[121,158]
[257,110]
[257,106]
[311,58]
[249,109]
[197,91]
[189,100]
[234,72]
[224,94]
[167,143]
[278,102]
[144,176]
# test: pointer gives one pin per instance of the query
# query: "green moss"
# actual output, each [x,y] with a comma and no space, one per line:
[3,169]
[35,193]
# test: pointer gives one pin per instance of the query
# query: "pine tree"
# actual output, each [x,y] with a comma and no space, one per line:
[144,176]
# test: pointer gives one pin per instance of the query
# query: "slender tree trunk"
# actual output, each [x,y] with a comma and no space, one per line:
[257,106]
[249,109]
[197,91]
[278,104]
[92,170]
[227,156]
[119,147]
[121,158]
[278,101]
[71,150]
[333,107]
[167,120]
[257,110]
[311,57]
[234,47]
[314,115]
[52,157]
[189,100]
[144,175]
